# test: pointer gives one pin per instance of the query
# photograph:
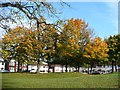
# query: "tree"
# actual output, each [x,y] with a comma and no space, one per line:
[96,51]
[73,37]
[20,44]
[50,35]
[114,50]
[34,12]
[25,47]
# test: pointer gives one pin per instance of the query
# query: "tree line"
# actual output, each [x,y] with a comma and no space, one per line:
[71,45]
[68,42]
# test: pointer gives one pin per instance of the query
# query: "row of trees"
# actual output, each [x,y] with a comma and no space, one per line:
[34,13]
[67,43]
[71,44]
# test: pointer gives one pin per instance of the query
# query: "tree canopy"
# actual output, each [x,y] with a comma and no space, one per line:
[69,42]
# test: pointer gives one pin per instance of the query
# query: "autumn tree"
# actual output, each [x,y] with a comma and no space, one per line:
[34,13]
[50,35]
[18,44]
[96,51]
[74,36]
[114,50]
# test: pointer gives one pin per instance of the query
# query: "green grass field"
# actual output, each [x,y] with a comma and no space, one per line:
[59,80]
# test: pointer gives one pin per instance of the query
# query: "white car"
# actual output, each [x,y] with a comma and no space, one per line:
[4,71]
[32,70]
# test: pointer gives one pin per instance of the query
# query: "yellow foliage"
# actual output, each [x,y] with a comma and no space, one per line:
[96,49]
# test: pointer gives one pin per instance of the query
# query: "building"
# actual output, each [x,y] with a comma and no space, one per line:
[12,66]
[60,68]
[2,64]
[43,67]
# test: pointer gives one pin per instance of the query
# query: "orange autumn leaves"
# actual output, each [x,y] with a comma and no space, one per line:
[21,43]
[74,40]
[73,33]
[96,49]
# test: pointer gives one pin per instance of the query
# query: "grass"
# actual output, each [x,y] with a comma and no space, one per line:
[59,80]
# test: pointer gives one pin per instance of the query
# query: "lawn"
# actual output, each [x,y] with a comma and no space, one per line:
[59,80]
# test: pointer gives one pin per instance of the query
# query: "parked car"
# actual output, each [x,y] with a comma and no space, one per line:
[4,71]
[95,72]
[101,71]
[109,71]
[26,71]
[32,70]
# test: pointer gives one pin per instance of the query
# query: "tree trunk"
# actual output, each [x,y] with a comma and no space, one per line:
[48,67]
[104,65]
[18,69]
[115,67]
[15,67]
[6,65]
[27,67]
[38,60]
[112,66]
[62,68]
[91,67]
[88,68]
[21,67]
[78,68]
[38,66]
[66,66]
[53,69]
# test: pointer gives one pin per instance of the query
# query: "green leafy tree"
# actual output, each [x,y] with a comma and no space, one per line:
[114,50]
